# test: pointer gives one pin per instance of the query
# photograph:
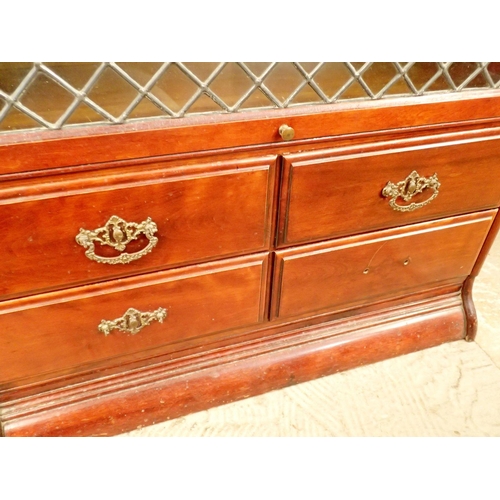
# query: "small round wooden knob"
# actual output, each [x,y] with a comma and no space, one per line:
[287,133]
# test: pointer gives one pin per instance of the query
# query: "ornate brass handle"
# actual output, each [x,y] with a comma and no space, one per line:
[118,233]
[412,185]
[133,321]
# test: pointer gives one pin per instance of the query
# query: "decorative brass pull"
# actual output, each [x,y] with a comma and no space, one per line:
[287,133]
[133,321]
[412,185]
[118,233]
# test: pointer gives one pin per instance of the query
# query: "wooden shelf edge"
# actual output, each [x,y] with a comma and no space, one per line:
[41,150]
[152,395]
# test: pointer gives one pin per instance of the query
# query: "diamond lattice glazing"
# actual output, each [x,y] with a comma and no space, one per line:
[56,95]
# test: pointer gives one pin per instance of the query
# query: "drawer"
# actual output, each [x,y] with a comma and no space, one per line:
[131,221]
[59,331]
[359,270]
[334,193]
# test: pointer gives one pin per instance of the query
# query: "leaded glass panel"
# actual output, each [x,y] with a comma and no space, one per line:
[55,95]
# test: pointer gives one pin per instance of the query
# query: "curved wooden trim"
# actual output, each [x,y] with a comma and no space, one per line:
[135,399]
[28,151]
[469,307]
[490,239]
[470,310]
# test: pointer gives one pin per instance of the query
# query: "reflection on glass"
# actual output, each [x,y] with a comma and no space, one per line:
[15,120]
[174,88]
[283,80]
[231,84]
[77,75]
[84,114]
[258,68]
[257,99]
[12,74]
[146,108]
[140,72]
[41,96]
[203,70]
[112,92]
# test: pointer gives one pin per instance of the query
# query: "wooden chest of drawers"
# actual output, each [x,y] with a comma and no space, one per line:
[145,274]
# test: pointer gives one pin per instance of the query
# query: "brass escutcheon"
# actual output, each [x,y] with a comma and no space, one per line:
[118,233]
[412,185]
[133,321]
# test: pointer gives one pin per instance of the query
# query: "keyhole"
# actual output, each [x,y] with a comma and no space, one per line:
[410,187]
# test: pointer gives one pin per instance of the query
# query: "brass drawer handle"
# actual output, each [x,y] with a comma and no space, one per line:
[133,321]
[118,233]
[412,185]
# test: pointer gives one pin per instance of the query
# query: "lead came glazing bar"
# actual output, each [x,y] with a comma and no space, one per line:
[57,95]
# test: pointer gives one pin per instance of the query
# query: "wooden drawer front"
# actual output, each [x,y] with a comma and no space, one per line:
[199,214]
[58,331]
[356,270]
[328,195]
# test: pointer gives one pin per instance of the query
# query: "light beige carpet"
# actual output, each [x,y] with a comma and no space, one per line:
[450,390]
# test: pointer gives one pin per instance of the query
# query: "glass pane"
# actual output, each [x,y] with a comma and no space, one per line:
[283,80]
[202,70]
[257,99]
[204,104]
[141,72]
[258,68]
[85,114]
[439,85]
[494,71]
[478,82]
[459,72]
[174,88]
[378,75]
[16,120]
[307,95]
[309,67]
[12,74]
[65,93]
[332,77]
[46,98]
[231,84]
[354,91]
[146,108]
[399,87]
[77,75]
[422,72]
[112,93]
[358,65]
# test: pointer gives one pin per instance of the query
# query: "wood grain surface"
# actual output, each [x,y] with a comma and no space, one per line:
[331,193]
[362,269]
[49,334]
[202,213]
[249,309]
[151,395]
[32,151]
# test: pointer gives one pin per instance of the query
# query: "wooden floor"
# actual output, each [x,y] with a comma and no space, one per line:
[450,390]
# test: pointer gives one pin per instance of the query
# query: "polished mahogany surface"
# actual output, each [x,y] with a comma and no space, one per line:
[328,194]
[59,331]
[202,212]
[277,261]
[351,271]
